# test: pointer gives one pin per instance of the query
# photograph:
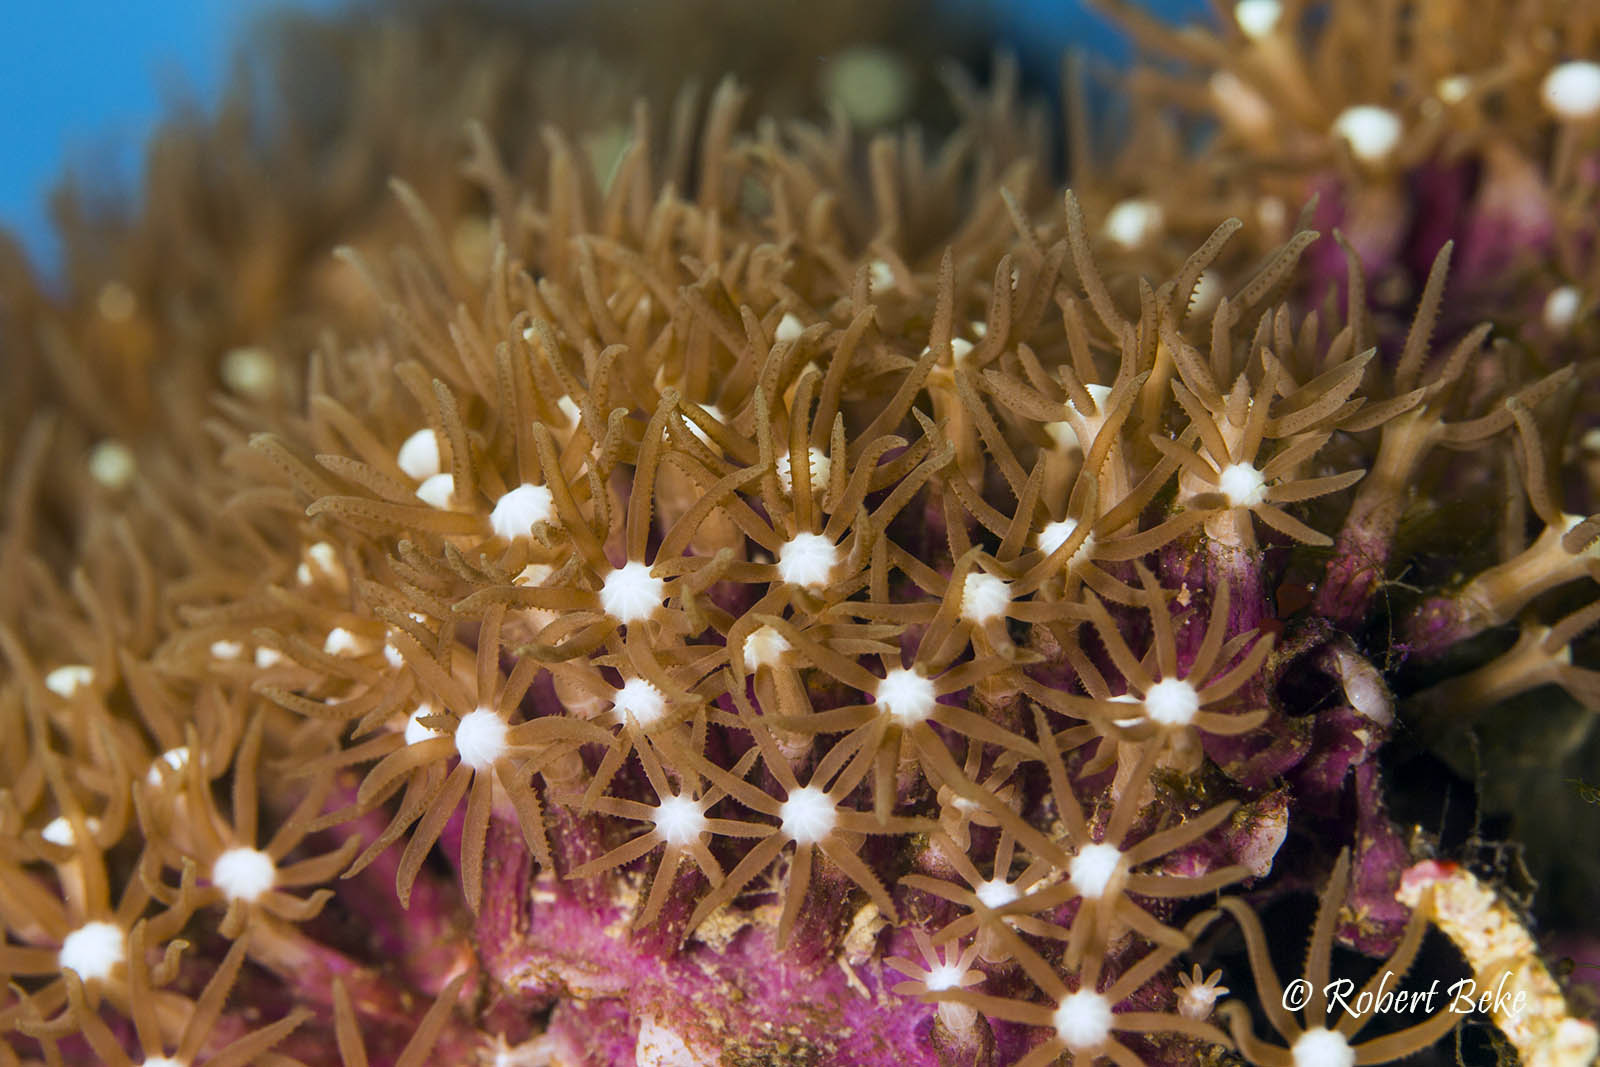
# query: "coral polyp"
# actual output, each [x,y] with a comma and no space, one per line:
[742,590]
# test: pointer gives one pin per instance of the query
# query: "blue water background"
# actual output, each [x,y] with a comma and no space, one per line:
[86,81]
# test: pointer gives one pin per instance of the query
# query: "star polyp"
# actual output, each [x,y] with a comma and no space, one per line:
[1371,132]
[631,593]
[807,560]
[92,950]
[480,738]
[640,700]
[996,893]
[520,510]
[1094,870]
[1056,534]
[945,976]
[419,456]
[984,597]
[1257,18]
[764,648]
[1083,1020]
[1571,91]
[1243,485]
[679,820]
[906,696]
[1172,702]
[243,873]
[808,815]
[1323,1048]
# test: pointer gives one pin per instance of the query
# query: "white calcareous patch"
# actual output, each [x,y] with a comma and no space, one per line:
[641,701]
[1172,702]
[325,556]
[438,491]
[984,597]
[631,593]
[1257,18]
[169,764]
[535,575]
[1208,293]
[1571,91]
[111,463]
[419,456]
[807,560]
[1094,870]
[715,414]
[821,468]
[570,411]
[481,738]
[1561,308]
[1083,1020]
[1056,534]
[1132,720]
[1322,1048]
[679,820]
[1243,485]
[244,873]
[1371,132]
[764,648]
[906,696]
[226,649]
[58,831]
[960,349]
[942,977]
[267,657]
[249,371]
[880,275]
[520,510]
[871,85]
[92,950]
[808,816]
[68,680]
[1065,435]
[1134,223]
[322,563]
[789,327]
[417,730]
[341,642]
[996,893]
[1453,88]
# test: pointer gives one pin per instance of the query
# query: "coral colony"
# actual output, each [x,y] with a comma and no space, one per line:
[661,585]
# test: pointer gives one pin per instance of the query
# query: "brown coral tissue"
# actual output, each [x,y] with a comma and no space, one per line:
[715,533]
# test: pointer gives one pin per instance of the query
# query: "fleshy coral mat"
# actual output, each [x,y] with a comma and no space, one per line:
[525,565]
